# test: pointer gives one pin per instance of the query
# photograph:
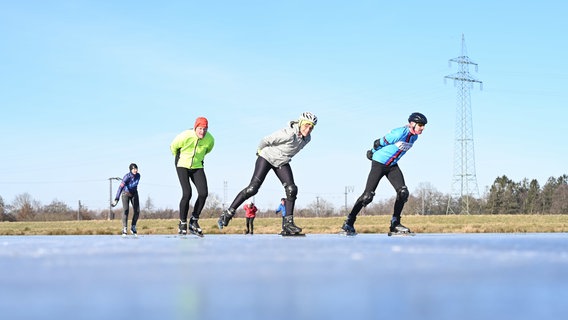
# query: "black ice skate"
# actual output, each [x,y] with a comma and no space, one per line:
[347,229]
[289,228]
[133,231]
[397,229]
[194,227]
[182,228]
[225,217]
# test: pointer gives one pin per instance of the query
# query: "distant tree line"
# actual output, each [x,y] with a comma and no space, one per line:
[504,196]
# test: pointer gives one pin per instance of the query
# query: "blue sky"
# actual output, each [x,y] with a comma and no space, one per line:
[87,87]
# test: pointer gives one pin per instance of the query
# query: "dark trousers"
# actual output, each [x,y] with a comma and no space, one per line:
[128,198]
[199,179]
[378,171]
[261,169]
[250,225]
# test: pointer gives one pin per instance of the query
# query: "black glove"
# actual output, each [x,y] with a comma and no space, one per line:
[370,154]
[377,144]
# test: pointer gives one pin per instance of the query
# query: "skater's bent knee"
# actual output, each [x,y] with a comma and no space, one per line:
[291,191]
[367,197]
[250,191]
[402,194]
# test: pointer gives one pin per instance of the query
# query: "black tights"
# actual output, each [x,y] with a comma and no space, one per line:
[128,198]
[378,171]
[261,169]
[199,179]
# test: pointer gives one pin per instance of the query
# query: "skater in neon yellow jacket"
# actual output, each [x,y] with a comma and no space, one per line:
[189,149]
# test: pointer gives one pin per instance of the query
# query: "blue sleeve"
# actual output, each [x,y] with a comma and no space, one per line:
[121,187]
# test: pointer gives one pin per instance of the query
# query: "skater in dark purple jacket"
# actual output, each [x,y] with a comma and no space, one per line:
[129,190]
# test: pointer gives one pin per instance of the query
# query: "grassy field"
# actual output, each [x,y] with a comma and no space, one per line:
[365,224]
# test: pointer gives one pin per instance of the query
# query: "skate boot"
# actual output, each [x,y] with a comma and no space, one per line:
[225,217]
[289,228]
[124,231]
[133,230]
[396,228]
[348,229]
[182,228]
[194,227]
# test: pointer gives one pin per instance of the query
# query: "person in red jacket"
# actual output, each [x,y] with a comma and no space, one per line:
[250,214]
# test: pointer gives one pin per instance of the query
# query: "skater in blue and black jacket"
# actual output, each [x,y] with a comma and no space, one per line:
[129,190]
[384,162]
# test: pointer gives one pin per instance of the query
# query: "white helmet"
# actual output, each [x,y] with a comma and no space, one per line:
[308,116]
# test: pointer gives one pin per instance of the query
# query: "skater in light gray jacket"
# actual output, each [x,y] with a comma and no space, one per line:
[275,152]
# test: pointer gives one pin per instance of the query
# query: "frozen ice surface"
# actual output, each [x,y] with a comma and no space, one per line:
[370,276]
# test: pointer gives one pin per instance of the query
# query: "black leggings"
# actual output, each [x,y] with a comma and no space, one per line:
[199,179]
[378,171]
[126,199]
[261,169]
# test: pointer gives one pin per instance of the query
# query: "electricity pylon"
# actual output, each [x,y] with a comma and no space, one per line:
[464,180]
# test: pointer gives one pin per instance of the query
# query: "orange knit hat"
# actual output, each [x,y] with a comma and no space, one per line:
[201,122]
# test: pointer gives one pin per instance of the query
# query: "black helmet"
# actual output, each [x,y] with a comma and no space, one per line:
[418,118]
[132,166]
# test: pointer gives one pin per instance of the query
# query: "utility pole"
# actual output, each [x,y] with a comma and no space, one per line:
[423,200]
[225,184]
[347,190]
[110,215]
[464,181]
